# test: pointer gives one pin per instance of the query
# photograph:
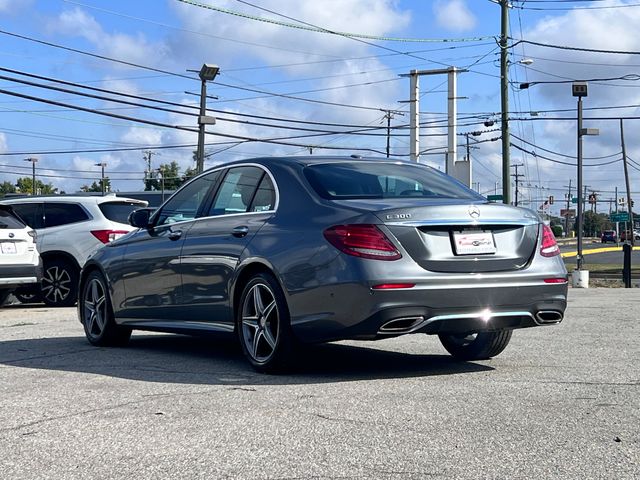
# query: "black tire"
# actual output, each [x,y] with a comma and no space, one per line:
[476,346]
[96,314]
[4,294]
[28,296]
[59,284]
[263,325]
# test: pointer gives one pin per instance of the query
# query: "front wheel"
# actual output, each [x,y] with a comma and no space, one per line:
[264,326]
[96,314]
[476,346]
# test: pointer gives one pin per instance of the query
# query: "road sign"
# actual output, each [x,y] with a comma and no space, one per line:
[619,217]
[494,198]
[568,212]
[574,200]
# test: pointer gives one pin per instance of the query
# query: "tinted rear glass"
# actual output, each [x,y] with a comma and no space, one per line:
[119,211]
[8,219]
[352,180]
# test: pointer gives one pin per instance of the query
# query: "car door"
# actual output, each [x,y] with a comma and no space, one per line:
[245,199]
[151,262]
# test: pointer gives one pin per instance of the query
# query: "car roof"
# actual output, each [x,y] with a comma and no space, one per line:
[306,160]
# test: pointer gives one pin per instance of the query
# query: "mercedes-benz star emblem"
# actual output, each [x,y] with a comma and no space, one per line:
[11,235]
[474,212]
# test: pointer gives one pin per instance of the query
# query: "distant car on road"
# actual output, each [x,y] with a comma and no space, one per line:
[69,229]
[626,235]
[293,250]
[20,262]
[609,236]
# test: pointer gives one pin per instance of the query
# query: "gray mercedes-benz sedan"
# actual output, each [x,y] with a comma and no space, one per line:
[292,250]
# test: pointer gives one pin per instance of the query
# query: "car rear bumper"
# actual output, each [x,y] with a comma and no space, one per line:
[359,312]
[18,275]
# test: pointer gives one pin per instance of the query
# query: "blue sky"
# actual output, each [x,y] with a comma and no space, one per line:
[354,79]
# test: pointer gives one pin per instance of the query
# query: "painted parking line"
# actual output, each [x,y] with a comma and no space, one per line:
[595,250]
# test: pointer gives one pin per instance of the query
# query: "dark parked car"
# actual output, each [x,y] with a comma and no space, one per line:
[609,236]
[284,251]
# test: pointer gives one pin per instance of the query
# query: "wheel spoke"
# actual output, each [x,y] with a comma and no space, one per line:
[258,306]
[269,338]
[256,343]
[269,309]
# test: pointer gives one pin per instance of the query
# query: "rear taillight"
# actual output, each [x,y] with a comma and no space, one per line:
[549,246]
[106,236]
[33,235]
[366,241]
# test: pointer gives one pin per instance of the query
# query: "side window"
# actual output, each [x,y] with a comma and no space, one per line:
[265,198]
[236,191]
[184,205]
[56,214]
[31,213]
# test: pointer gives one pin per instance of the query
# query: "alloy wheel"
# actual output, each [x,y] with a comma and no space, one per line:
[94,307]
[56,284]
[260,323]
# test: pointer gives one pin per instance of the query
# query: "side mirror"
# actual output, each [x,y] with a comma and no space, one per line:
[140,218]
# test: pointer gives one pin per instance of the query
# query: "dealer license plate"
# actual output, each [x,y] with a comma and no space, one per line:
[8,247]
[473,243]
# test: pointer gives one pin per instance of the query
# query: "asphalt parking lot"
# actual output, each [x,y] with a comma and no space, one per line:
[560,402]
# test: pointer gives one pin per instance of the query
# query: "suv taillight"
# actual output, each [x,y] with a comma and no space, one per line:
[549,246]
[366,241]
[106,236]
[33,235]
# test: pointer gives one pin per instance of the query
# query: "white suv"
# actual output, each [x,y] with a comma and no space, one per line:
[20,262]
[69,229]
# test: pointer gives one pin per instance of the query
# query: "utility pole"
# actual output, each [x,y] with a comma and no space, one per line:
[566,216]
[148,175]
[33,175]
[388,115]
[504,101]
[626,181]
[517,178]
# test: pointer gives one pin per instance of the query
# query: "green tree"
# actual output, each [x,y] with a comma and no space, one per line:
[594,223]
[7,187]
[170,173]
[25,185]
[97,186]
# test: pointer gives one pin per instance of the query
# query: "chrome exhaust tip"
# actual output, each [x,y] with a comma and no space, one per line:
[401,325]
[548,316]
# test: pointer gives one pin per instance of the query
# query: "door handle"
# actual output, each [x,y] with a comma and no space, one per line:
[240,231]
[175,235]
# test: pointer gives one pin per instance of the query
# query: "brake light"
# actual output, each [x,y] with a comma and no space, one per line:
[33,235]
[106,236]
[365,241]
[549,246]
[556,280]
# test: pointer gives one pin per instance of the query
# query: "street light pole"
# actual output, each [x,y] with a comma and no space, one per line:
[207,73]
[102,165]
[33,174]
[579,89]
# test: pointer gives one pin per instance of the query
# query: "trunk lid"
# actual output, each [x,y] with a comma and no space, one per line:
[458,236]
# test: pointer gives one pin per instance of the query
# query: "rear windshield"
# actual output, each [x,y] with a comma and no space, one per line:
[353,180]
[119,211]
[8,219]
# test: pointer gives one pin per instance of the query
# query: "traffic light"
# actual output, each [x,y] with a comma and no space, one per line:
[550,199]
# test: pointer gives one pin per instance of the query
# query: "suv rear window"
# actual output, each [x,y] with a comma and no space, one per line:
[59,213]
[119,211]
[8,219]
[353,180]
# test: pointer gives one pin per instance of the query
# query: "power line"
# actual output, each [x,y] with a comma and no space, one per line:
[314,28]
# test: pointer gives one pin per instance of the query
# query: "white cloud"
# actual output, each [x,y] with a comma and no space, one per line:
[12,6]
[131,48]
[374,17]
[454,15]
[3,143]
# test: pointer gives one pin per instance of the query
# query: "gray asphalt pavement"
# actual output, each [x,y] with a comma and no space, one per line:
[560,402]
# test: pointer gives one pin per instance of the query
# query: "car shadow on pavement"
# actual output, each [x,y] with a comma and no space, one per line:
[215,361]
